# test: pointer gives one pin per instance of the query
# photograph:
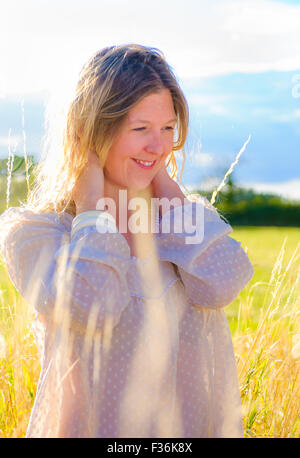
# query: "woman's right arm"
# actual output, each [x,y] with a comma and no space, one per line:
[83,271]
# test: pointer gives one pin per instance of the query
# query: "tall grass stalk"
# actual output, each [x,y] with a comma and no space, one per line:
[24,147]
[229,171]
[10,163]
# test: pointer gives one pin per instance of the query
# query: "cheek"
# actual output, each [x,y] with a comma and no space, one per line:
[112,167]
[170,142]
[117,165]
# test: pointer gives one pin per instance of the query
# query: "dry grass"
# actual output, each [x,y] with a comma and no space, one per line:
[19,365]
[269,356]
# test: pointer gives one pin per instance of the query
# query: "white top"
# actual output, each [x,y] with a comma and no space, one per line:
[129,347]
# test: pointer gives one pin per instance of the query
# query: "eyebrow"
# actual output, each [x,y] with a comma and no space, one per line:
[148,122]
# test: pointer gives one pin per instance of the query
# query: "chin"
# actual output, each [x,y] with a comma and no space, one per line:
[139,186]
[138,182]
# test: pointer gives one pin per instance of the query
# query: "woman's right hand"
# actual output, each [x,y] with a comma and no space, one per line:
[89,186]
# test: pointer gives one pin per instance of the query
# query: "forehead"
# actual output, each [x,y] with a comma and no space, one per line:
[158,105]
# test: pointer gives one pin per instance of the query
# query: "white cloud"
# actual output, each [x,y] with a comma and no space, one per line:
[42,42]
[289,189]
[11,141]
[202,159]
[219,110]
[214,104]
[287,117]
[271,114]
[207,184]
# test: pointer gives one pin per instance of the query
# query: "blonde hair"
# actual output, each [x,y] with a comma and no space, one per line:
[112,81]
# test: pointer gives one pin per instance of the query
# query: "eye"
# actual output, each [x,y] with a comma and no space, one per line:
[139,129]
[169,128]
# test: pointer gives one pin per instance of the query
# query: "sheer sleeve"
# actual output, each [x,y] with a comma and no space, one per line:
[82,270]
[213,267]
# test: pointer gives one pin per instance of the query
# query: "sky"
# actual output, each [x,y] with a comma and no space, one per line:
[238,62]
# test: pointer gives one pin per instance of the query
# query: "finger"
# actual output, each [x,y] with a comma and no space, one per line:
[93,157]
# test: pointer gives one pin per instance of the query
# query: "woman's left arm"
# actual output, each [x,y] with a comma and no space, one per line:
[215,269]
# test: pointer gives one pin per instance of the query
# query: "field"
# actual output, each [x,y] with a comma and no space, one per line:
[264,322]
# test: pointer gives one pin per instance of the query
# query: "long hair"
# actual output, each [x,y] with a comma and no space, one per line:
[111,82]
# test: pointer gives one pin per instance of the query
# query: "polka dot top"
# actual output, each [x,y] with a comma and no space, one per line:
[130,346]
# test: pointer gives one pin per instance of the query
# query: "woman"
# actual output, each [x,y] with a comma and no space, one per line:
[130,324]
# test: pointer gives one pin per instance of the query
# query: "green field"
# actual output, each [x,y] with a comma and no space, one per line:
[263,246]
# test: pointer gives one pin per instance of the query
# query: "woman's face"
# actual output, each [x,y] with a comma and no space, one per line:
[146,135]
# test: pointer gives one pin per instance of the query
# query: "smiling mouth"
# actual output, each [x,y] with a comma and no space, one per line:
[144,164]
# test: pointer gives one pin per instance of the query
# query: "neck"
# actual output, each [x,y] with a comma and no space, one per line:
[122,196]
[140,244]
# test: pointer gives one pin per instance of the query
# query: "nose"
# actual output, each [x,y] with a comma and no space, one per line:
[155,145]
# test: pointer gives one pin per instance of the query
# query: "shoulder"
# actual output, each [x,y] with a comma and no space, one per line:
[26,216]
[19,224]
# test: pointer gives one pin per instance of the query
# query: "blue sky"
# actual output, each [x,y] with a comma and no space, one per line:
[238,62]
